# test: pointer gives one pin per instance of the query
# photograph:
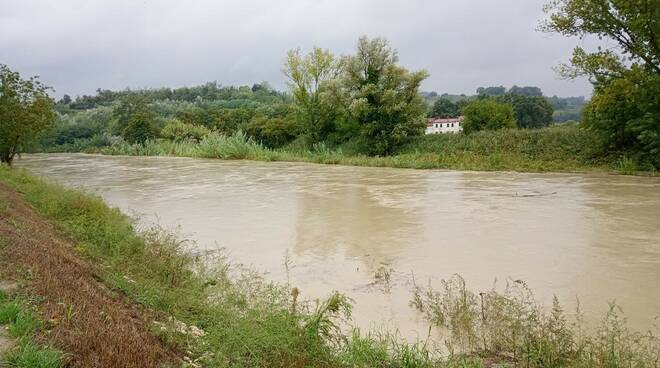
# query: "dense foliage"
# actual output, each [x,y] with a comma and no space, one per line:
[445,108]
[626,111]
[26,111]
[381,97]
[488,114]
[532,108]
[366,95]
[530,111]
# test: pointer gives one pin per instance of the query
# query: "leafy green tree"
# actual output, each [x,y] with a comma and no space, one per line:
[309,76]
[526,91]
[626,111]
[530,111]
[382,97]
[624,108]
[140,126]
[444,108]
[487,114]
[123,111]
[632,25]
[26,111]
[65,100]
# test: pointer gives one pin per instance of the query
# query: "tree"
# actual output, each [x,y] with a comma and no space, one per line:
[526,91]
[26,111]
[381,97]
[626,112]
[625,74]
[530,111]
[308,80]
[133,120]
[487,114]
[444,108]
[633,26]
[491,91]
[140,127]
[65,100]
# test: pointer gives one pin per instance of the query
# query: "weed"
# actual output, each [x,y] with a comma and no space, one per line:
[511,324]
[626,166]
[8,311]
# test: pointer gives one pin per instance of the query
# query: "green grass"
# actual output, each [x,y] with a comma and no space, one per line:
[22,323]
[225,316]
[30,355]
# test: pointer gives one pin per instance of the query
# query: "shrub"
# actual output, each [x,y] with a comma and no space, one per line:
[626,113]
[177,131]
[487,114]
[235,146]
[273,132]
[140,127]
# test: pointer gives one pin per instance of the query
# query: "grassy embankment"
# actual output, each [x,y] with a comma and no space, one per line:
[553,149]
[243,321]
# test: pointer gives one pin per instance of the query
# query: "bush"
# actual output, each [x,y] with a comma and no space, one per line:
[235,146]
[273,132]
[177,131]
[626,113]
[140,127]
[487,114]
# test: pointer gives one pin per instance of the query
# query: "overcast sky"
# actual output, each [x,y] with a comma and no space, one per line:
[79,46]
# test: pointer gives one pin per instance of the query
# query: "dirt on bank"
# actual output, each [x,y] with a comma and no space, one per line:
[92,325]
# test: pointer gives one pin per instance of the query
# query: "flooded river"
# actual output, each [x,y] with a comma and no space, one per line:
[596,237]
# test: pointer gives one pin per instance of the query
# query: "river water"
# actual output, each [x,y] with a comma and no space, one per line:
[596,237]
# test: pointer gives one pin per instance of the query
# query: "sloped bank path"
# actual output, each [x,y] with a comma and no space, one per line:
[93,325]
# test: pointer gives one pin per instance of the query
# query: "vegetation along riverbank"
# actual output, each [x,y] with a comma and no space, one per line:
[103,277]
[552,149]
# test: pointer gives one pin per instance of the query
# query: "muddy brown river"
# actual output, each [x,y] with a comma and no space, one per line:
[596,237]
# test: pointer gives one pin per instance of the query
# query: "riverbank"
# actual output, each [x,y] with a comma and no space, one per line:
[552,149]
[220,315]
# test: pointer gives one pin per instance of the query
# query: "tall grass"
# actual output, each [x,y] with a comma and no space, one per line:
[512,326]
[237,146]
[226,316]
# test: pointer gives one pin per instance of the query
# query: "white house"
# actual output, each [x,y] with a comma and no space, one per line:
[444,125]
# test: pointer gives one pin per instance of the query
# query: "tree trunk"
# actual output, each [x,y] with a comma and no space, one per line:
[6,157]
